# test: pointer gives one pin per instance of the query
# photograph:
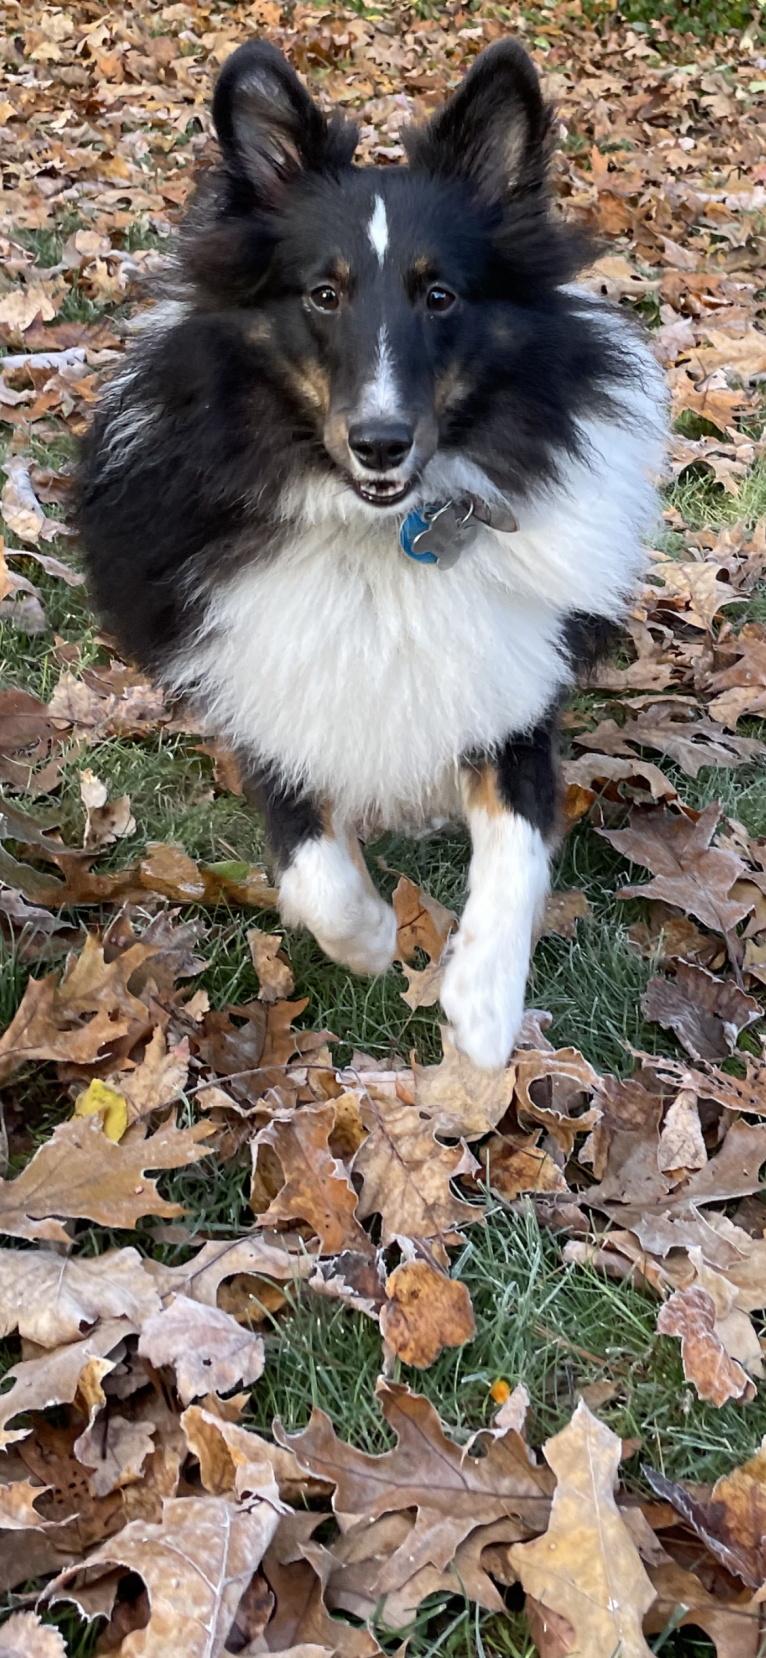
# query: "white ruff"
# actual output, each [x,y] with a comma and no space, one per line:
[377,229]
[483,989]
[364,675]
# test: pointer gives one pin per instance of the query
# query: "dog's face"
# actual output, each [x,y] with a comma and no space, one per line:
[394,305]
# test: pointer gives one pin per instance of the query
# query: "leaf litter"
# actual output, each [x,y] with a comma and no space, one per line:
[180,1527]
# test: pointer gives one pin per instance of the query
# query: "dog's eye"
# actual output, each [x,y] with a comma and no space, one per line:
[439,299]
[325,298]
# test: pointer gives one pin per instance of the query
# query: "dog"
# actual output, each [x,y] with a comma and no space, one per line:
[371,487]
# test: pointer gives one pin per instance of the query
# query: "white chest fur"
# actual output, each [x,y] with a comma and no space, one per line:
[365,675]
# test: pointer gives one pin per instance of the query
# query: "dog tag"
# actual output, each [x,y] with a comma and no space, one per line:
[449,532]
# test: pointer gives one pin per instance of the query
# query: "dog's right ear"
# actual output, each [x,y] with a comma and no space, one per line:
[268,127]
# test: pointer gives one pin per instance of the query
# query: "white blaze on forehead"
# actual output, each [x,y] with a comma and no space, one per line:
[377,229]
[381,396]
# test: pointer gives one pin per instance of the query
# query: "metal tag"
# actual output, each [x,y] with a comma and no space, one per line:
[448,533]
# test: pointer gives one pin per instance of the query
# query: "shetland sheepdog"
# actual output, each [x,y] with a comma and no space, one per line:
[371,487]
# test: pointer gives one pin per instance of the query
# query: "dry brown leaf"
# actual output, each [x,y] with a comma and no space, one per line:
[426,1311]
[707,1014]
[423,984]
[511,1168]
[690,1314]
[317,1188]
[20,507]
[24,1635]
[196,1565]
[282,1259]
[728,1518]
[207,1348]
[741,688]
[562,910]
[691,742]
[693,588]
[106,821]
[590,771]
[421,922]
[688,872]
[461,1100]
[50,1298]
[274,972]
[451,1492]
[681,1144]
[733,1625]
[17,1509]
[586,1568]
[116,1449]
[82,1174]
[562,1082]
[406,1173]
[55,1378]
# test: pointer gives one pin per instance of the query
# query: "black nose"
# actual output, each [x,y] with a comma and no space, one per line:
[380,444]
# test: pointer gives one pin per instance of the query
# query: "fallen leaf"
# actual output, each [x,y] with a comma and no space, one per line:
[80,1173]
[317,1188]
[681,1144]
[426,1311]
[196,1565]
[511,1168]
[690,1314]
[451,1492]
[99,1098]
[562,910]
[688,872]
[20,507]
[17,1509]
[406,1173]
[50,1298]
[421,922]
[707,1014]
[586,1568]
[209,1350]
[117,1450]
[271,965]
[691,742]
[461,1100]
[106,820]
[55,1378]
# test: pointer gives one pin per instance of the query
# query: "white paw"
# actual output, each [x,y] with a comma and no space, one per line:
[370,947]
[483,997]
[325,890]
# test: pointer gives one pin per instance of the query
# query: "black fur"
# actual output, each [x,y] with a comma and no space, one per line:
[290,817]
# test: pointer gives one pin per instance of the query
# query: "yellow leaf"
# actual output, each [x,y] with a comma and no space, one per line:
[98,1096]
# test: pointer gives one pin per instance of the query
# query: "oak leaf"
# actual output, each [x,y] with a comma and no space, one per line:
[690,1314]
[512,1167]
[116,1450]
[586,1568]
[55,1378]
[707,1014]
[740,688]
[406,1173]
[462,1101]
[691,743]
[82,1174]
[451,1491]
[317,1188]
[50,1298]
[196,1565]
[275,978]
[207,1348]
[421,922]
[688,872]
[17,1508]
[425,1312]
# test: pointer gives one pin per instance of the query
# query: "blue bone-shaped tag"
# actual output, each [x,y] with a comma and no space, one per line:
[415,524]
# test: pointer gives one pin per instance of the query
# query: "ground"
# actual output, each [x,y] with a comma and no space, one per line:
[659,151]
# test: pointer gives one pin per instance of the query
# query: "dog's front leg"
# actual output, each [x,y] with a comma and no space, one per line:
[322,878]
[510,804]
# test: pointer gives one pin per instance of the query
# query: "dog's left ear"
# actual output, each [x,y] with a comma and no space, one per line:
[268,127]
[493,131]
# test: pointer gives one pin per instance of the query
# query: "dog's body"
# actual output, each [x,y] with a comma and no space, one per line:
[347,346]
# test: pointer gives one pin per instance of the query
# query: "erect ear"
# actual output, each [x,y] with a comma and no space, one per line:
[268,127]
[493,131]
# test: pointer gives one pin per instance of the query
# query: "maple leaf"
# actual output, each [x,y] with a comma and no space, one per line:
[406,1173]
[317,1189]
[586,1568]
[691,743]
[81,1173]
[688,872]
[451,1492]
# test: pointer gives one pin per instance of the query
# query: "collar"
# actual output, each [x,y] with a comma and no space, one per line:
[440,531]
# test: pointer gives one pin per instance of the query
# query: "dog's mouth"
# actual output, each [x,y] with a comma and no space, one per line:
[382,492]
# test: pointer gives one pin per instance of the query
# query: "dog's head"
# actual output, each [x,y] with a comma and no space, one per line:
[396,307]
